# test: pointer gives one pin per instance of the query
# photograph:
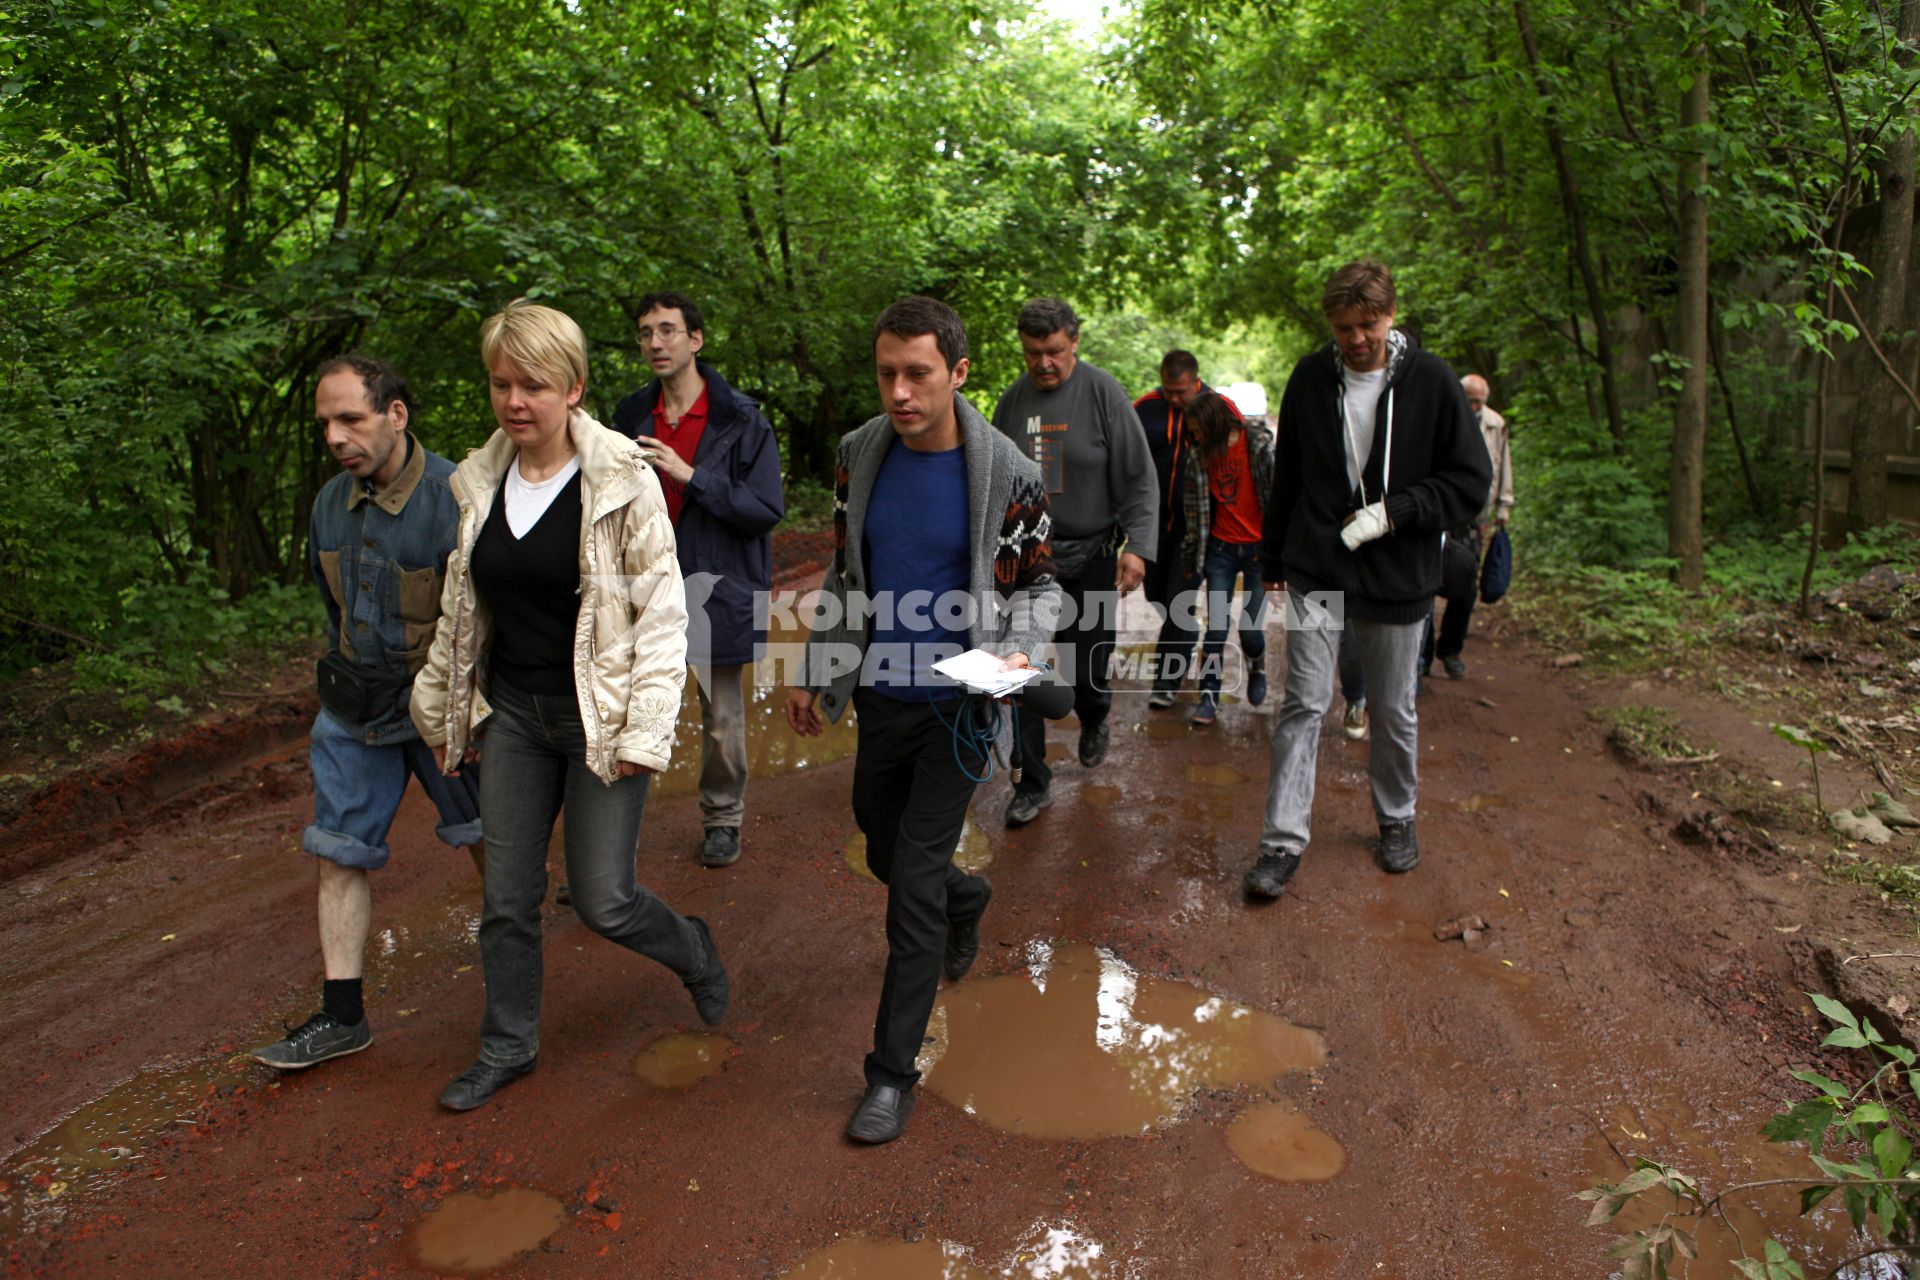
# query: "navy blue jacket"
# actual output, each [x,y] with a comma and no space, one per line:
[732,503]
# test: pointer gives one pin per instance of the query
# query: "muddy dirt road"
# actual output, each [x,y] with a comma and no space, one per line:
[1143,1076]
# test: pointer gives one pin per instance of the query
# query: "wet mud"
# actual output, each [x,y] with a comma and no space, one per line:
[682,1060]
[469,1233]
[1470,1092]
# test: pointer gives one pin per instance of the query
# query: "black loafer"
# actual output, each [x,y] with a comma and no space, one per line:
[963,937]
[479,1082]
[1093,744]
[712,988]
[1399,849]
[882,1114]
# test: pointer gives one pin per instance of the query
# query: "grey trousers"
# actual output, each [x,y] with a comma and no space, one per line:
[723,745]
[1389,655]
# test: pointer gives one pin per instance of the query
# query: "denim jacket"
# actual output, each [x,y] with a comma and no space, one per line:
[379,560]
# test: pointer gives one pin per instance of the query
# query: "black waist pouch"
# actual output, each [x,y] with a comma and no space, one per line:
[356,693]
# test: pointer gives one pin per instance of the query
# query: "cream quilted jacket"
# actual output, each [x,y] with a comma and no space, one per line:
[630,644]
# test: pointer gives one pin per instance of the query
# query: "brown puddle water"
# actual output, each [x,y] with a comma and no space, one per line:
[1081,1045]
[973,854]
[1481,800]
[682,1060]
[1047,1253]
[471,1232]
[1276,1141]
[1214,775]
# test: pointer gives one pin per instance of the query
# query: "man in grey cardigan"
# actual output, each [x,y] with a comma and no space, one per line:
[940,545]
[1078,423]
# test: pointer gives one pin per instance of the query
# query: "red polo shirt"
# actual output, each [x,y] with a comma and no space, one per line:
[683,438]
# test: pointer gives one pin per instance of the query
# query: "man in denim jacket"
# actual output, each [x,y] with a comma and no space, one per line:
[377,545]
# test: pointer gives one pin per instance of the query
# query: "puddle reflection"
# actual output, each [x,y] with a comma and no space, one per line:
[973,854]
[470,1233]
[1048,1252]
[1083,1046]
[682,1060]
[1214,775]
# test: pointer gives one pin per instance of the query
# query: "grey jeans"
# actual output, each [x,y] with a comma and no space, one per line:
[1389,655]
[535,770]
[723,745]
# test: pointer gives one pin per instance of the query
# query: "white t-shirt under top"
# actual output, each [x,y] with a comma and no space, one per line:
[527,501]
[1363,399]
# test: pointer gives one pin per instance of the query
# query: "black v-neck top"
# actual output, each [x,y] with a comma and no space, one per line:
[532,585]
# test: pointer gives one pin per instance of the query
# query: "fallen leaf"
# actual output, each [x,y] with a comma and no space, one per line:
[168,937]
[465,968]
[55,1190]
[1505,894]
[693,1184]
[1787,928]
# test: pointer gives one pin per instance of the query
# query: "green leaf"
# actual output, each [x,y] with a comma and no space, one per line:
[1832,1088]
[1832,1009]
[1804,1122]
[1810,1197]
[1892,1151]
[1799,738]
[1845,1038]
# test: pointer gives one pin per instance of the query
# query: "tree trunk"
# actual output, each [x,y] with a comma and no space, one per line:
[1577,227]
[1882,404]
[1690,329]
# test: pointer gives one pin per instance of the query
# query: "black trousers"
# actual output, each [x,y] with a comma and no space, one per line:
[1167,578]
[1088,644]
[910,799]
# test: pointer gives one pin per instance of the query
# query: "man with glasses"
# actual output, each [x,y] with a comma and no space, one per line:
[720,468]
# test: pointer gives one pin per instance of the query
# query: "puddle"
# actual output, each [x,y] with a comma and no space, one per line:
[1103,796]
[470,1232]
[1047,1253]
[973,854]
[682,1060]
[1080,1045]
[1276,1141]
[1214,775]
[1167,726]
[1481,800]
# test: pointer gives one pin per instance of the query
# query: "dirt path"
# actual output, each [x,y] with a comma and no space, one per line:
[1634,993]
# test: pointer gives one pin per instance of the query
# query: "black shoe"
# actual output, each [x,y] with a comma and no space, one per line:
[1455,668]
[1026,806]
[562,894]
[963,937]
[1093,744]
[711,989]
[882,1114]
[1399,850]
[479,1082]
[721,848]
[314,1041]
[1268,876]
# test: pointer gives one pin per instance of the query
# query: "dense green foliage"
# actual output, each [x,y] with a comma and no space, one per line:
[203,199]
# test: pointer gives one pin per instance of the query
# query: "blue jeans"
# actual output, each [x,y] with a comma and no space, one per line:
[534,748]
[357,788]
[1225,562]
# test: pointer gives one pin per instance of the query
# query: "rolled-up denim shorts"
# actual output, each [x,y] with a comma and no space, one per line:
[357,789]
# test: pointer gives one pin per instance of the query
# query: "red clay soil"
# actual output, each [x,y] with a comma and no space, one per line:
[1633,994]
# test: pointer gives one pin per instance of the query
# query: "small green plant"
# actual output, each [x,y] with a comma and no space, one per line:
[1650,733]
[1860,1141]
[1814,749]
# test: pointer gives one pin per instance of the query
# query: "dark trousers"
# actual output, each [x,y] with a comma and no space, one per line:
[1167,579]
[1087,646]
[910,800]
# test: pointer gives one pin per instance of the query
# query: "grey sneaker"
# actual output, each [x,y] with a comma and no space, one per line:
[1161,700]
[1356,722]
[1399,849]
[712,988]
[1026,806]
[479,1082]
[319,1038]
[721,848]
[1268,876]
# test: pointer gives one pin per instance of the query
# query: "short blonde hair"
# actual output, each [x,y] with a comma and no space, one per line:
[537,339]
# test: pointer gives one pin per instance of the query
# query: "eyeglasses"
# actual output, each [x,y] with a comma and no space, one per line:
[665,332]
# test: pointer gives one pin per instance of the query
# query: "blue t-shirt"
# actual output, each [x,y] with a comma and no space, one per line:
[919,568]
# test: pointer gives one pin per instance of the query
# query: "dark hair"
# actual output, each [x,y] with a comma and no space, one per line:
[1177,362]
[674,300]
[1364,284]
[1211,420]
[382,381]
[1044,317]
[912,316]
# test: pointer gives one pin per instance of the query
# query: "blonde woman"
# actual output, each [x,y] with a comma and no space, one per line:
[562,650]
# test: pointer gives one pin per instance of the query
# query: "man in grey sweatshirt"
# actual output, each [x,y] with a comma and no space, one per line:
[1078,423]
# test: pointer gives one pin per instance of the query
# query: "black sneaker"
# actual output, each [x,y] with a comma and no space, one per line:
[1093,744]
[1161,700]
[319,1038]
[479,1082]
[721,848]
[1268,876]
[712,988]
[1399,850]
[1455,668]
[1026,806]
[963,937]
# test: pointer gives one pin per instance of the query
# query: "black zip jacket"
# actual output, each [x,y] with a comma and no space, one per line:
[1439,480]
